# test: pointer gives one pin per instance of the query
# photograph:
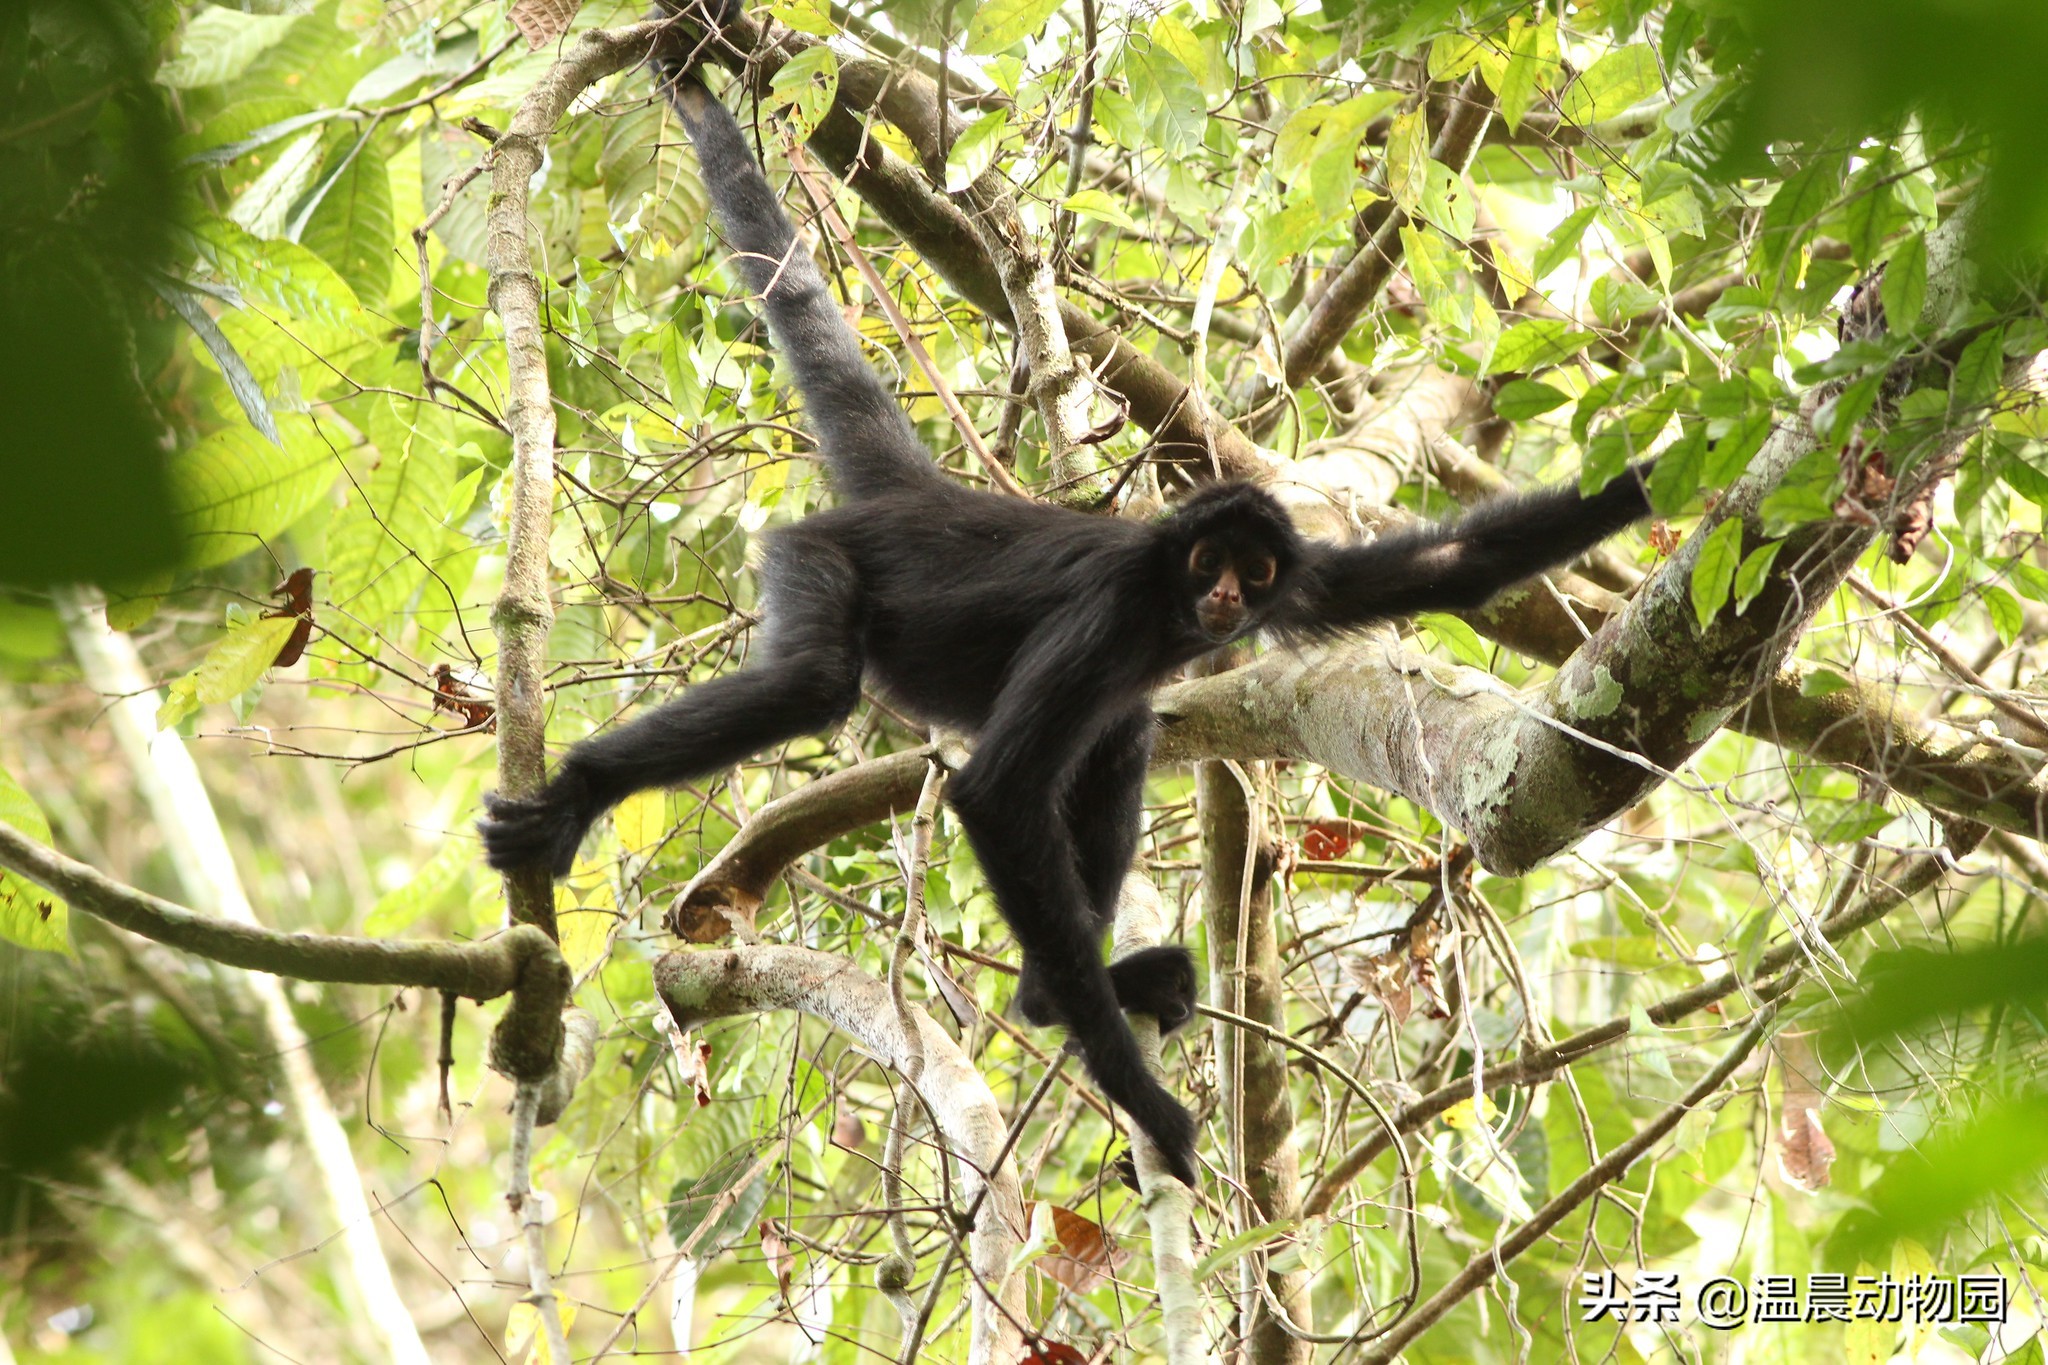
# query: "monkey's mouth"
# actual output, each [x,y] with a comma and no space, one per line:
[1220,624]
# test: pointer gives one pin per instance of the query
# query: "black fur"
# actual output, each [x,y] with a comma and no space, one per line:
[1040,630]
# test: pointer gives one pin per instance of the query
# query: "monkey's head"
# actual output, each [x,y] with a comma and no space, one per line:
[1234,550]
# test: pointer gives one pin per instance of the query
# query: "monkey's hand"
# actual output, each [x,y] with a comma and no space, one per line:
[1157,981]
[545,829]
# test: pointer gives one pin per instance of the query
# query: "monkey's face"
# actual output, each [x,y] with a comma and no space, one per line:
[1232,580]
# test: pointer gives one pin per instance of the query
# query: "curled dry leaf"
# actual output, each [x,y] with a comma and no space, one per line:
[541,22]
[1323,842]
[776,1252]
[1805,1155]
[848,1131]
[1384,976]
[464,695]
[1085,1255]
[693,1059]
[1422,943]
[297,592]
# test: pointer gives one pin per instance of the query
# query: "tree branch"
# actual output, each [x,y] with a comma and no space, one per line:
[522,960]
[524,611]
[699,986]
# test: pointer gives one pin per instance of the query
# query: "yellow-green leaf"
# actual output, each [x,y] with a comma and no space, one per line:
[641,820]
[230,668]
[1618,80]
[1099,205]
[236,492]
[1713,574]
[1000,23]
[807,84]
[974,151]
[31,916]
[1755,571]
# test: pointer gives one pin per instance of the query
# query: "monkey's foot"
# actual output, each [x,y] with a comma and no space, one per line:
[1157,981]
[543,830]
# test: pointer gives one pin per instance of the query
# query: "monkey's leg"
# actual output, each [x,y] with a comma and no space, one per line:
[1007,800]
[1103,810]
[806,678]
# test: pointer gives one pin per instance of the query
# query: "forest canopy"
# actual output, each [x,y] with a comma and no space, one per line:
[387,415]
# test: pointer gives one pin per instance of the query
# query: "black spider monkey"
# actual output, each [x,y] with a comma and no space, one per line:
[1039,629]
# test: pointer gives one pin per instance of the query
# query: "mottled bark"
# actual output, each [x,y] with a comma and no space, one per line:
[1245,979]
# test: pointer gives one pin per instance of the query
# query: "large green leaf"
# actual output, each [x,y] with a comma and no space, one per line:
[281,276]
[219,44]
[381,549]
[237,492]
[353,229]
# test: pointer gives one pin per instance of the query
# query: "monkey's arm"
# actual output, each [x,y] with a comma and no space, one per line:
[1459,564]
[864,432]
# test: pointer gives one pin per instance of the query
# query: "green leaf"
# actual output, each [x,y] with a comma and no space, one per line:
[1754,573]
[1806,493]
[805,16]
[1168,99]
[1822,682]
[235,664]
[1099,205]
[1733,452]
[2007,618]
[1713,573]
[31,916]
[353,229]
[1792,217]
[384,546]
[1531,50]
[1638,951]
[1844,822]
[2024,479]
[1459,638]
[1119,118]
[974,151]
[1904,289]
[1000,23]
[1536,343]
[264,207]
[430,887]
[1521,399]
[1677,475]
[1232,1249]
[446,151]
[1622,78]
[697,1203]
[219,44]
[241,380]
[278,275]
[1173,37]
[1979,373]
[1563,242]
[236,492]
[807,84]
[1624,441]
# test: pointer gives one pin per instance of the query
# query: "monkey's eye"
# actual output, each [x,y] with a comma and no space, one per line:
[1260,572]
[1206,561]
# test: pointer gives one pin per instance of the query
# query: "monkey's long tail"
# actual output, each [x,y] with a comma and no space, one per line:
[864,432]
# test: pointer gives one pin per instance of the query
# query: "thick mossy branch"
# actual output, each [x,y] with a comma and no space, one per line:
[522,961]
